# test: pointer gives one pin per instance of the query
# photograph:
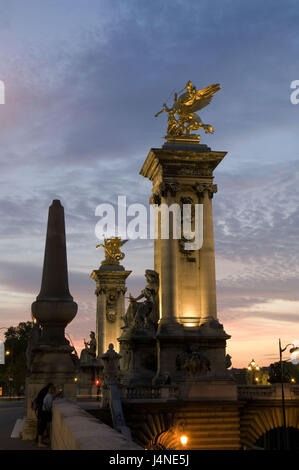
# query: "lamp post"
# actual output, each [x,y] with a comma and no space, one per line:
[284,427]
[253,367]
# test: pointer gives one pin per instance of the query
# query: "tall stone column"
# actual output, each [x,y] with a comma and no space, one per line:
[205,193]
[168,258]
[110,291]
[190,340]
[187,278]
[54,309]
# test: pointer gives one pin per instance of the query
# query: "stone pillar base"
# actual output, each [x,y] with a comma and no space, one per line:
[29,429]
[202,388]
[139,357]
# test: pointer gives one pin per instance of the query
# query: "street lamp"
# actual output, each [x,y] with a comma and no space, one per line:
[184,440]
[253,367]
[281,350]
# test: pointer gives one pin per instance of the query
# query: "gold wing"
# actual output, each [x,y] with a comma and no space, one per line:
[204,97]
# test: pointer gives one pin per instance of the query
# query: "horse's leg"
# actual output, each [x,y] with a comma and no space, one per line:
[208,128]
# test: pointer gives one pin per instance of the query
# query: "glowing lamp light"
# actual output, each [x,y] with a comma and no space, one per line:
[75,379]
[293,380]
[7,353]
[97,382]
[184,439]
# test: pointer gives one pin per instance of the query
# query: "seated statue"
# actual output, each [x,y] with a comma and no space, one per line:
[89,352]
[144,315]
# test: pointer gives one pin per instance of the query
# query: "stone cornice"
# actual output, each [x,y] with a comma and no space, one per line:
[101,275]
[184,163]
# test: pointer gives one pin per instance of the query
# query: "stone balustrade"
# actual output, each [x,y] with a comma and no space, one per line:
[270,392]
[143,393]
[75,429]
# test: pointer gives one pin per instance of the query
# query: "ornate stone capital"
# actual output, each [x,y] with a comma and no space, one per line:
[168,187]
[121,290]
[100,290]
[200,188]
[155,199]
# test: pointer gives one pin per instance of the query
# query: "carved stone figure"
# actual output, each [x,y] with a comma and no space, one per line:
[111,363]
[194,363]
[89,352]
[111,307]
[144,315]
[228,361]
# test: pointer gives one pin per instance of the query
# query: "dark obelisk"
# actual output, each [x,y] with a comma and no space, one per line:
[54,308]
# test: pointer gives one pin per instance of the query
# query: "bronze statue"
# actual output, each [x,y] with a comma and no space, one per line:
[182,117]
[112,246]
[89,352]
[144,315]
[228,361]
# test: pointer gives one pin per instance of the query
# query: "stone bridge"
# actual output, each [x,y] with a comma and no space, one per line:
[157,417]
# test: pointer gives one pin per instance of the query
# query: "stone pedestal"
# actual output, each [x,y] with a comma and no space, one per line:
[110,291]
[191,342]
[138,363]
[88,373]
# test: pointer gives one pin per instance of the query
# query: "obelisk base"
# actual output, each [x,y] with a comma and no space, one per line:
[49,366]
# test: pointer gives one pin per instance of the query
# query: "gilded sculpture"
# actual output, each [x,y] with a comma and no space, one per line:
[182,117]
[112,247]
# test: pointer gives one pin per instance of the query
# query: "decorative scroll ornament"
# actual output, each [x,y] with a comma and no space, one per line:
[182,117]
[111,304]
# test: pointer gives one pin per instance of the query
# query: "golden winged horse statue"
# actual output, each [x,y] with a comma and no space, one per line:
[182,117]
[112,248]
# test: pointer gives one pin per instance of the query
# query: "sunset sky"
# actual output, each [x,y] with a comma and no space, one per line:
[83,80]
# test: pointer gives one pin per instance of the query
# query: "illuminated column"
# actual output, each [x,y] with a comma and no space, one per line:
[187,278]
[110,292]
[168,258]
[205,193]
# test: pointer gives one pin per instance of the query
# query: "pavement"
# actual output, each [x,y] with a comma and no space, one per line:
[10,412]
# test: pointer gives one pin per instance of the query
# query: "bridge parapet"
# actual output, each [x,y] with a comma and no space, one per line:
[142,393]
[268,392]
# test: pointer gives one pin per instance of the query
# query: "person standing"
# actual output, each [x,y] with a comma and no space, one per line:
[46,414]
[37,405]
